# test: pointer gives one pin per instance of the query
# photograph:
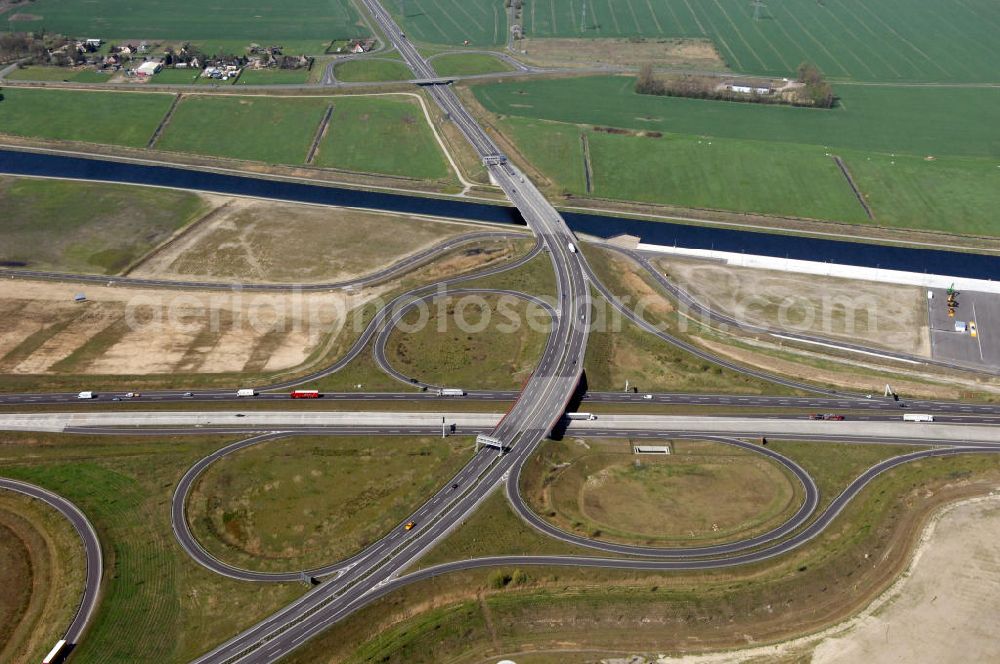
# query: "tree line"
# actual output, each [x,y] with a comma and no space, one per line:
[814,92]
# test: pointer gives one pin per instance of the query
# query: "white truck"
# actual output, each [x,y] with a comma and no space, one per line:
[581,416]
[571,247]
[914,417]
[86,395]
[246,392]
[451,392]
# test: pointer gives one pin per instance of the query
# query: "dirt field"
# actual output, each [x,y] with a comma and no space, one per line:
[140,332]
[888,316]
[940,610]
[664,52]
[258,241]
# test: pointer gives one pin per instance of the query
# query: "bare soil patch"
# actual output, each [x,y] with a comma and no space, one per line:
[257,241]
[697,54]
[880,315]
[123,331]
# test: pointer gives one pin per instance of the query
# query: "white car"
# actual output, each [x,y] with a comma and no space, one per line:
[647,397]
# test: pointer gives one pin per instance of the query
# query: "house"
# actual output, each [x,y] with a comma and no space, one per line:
[149,68]
[96,43]
[356,47]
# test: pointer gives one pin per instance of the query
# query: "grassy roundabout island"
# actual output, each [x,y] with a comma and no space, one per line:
[300,503]
[700,493]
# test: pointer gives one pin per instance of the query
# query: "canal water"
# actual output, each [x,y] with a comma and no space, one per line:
[959,264]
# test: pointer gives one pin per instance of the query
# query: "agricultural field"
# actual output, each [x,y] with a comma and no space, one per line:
[190,20]
[688,171]
[920,159]
[468,64]
[261,241]
[116,118]
[371,70]
[925,40]
[476,341]
[482,22]
[951,40]
[272,130]
[157,603]
[605,490]
[84,227]
[914,120]
[381,134]
[301,503]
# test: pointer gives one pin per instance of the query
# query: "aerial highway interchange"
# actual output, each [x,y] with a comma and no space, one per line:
[342,587]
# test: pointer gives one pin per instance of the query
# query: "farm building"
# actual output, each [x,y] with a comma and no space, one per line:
[149,68]
[749,88]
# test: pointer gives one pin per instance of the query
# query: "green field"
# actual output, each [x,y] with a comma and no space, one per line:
[924,158]
[58,74]
[157,604]
[301,503]
[692,172]
[371,70]
[605,491]
[381,134]
[118,118]
[273,77]
[477,341]
[468,64]
[273,130]
[482,22]
[915,120]
[321,20]
[176,76]
[83,227]
[920,40]
[956,194]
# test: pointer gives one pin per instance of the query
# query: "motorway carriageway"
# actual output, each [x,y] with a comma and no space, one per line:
[817,403]
[885,427]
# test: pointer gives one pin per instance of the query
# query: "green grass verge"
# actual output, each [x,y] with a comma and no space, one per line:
[470,341]
[371,71]
[176,76]
[158,604]
[388,135]
[38,73]
[273,77]
[468,64]
[85,227]
[540,609]
[273,130]
[117,118]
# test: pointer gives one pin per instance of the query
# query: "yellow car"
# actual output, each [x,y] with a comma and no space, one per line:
[409,525]
[972,329]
